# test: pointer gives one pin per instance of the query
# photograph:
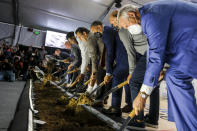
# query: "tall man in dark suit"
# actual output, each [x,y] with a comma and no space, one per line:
[116,64]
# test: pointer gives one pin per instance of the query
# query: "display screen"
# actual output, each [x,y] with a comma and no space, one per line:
[55,39]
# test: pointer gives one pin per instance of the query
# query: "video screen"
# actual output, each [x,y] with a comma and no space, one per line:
[55,39]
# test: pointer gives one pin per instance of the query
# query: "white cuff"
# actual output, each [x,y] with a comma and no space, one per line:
[146,89]
[108,74]
[83,70]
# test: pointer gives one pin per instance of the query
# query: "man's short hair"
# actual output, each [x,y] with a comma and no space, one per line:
[81,30]
[123,12]
[114,14]
[70,35]
[96,23]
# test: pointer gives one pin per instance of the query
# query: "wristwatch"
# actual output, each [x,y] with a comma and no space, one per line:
[143,95]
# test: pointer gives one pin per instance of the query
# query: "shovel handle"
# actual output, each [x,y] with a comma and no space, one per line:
[102,84]
[74,83]
[126,122]
[73,71]
[87,82]
[132,114]
[129,118]
[65,61]
[123,84]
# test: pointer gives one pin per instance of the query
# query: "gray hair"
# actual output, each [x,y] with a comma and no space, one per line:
[123,12]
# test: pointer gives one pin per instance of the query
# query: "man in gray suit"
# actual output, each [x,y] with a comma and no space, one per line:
[75,51]
[136,47]
[96,48]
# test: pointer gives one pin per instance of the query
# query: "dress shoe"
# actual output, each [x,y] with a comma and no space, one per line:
[112,111]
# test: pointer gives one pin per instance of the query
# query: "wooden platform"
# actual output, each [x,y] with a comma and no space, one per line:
[10,93]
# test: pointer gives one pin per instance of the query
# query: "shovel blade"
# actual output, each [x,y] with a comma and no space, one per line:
[125,124]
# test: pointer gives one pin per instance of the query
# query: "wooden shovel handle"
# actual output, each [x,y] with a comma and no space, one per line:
[102,84]
[123,84]
[132,114]
[87,82]
[73,71]
[74,83]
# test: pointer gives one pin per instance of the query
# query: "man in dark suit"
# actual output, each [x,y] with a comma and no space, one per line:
[116,64]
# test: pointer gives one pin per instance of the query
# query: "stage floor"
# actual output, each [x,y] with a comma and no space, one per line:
[10,93]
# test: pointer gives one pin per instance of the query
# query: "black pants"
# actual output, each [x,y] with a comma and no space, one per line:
[100,78]
[136,83]
[154,105]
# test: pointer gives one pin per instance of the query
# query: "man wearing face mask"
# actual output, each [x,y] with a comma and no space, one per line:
[170,27]
[115,52]
[135,43]
[95,48]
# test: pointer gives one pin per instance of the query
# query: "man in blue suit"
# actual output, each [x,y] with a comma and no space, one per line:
[116,64]
[171,30]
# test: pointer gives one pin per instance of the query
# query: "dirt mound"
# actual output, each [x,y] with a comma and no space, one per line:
[59,113]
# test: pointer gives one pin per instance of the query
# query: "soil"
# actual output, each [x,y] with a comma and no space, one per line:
[55,109]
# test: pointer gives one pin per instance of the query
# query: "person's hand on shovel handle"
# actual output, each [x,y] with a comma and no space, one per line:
[80,77]
[139,102]
[93,79]
[107,79]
